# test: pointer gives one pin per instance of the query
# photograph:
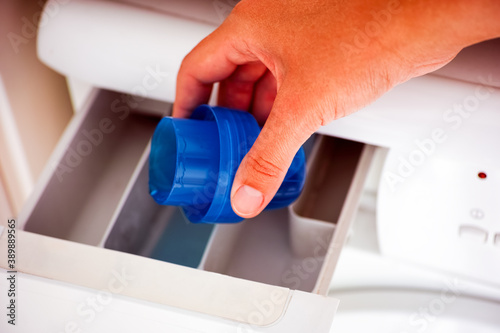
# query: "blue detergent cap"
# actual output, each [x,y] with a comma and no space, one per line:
[193,163]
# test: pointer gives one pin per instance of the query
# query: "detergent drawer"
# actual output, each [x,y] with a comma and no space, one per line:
[90,169]
[91,221]
[298,247]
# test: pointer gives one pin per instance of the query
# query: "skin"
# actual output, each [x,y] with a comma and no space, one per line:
[299,64]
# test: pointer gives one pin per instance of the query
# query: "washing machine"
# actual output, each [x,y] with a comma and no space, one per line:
[397,228]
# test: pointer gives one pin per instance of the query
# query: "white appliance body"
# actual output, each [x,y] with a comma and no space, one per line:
[432,217]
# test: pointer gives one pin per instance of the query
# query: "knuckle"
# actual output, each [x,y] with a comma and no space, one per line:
[264,167]
[383,79]
[186,63]
[326,110]
[328,113]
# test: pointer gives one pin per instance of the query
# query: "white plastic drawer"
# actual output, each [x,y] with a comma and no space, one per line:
[267,274]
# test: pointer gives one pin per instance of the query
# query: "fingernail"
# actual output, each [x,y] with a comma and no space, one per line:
[247,200]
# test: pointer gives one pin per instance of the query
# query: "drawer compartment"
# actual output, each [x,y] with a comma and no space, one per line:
[97,157]
[141,226]
[298,247]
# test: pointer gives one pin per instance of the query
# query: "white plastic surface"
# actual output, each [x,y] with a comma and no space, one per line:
[211,12]
[378,293]
[5,205]
[14,161]
[90,170]
[411,110]
[433,208]
[362,266]
[118,46]
[308,235]
[225,301]
[50,306]
[411,311]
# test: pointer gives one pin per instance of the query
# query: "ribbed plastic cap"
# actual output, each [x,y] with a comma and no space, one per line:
[193,163]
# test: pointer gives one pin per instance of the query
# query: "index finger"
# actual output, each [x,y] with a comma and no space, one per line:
[212,60]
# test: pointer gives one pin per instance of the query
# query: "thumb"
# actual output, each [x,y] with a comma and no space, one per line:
[263,169]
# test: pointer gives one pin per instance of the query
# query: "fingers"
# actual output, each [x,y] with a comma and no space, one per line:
[214,59]
[263,97]
[190,93]
[203,66]
[264,167]
[238,89]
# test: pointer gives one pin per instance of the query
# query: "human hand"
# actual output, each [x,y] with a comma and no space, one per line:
[302,64]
